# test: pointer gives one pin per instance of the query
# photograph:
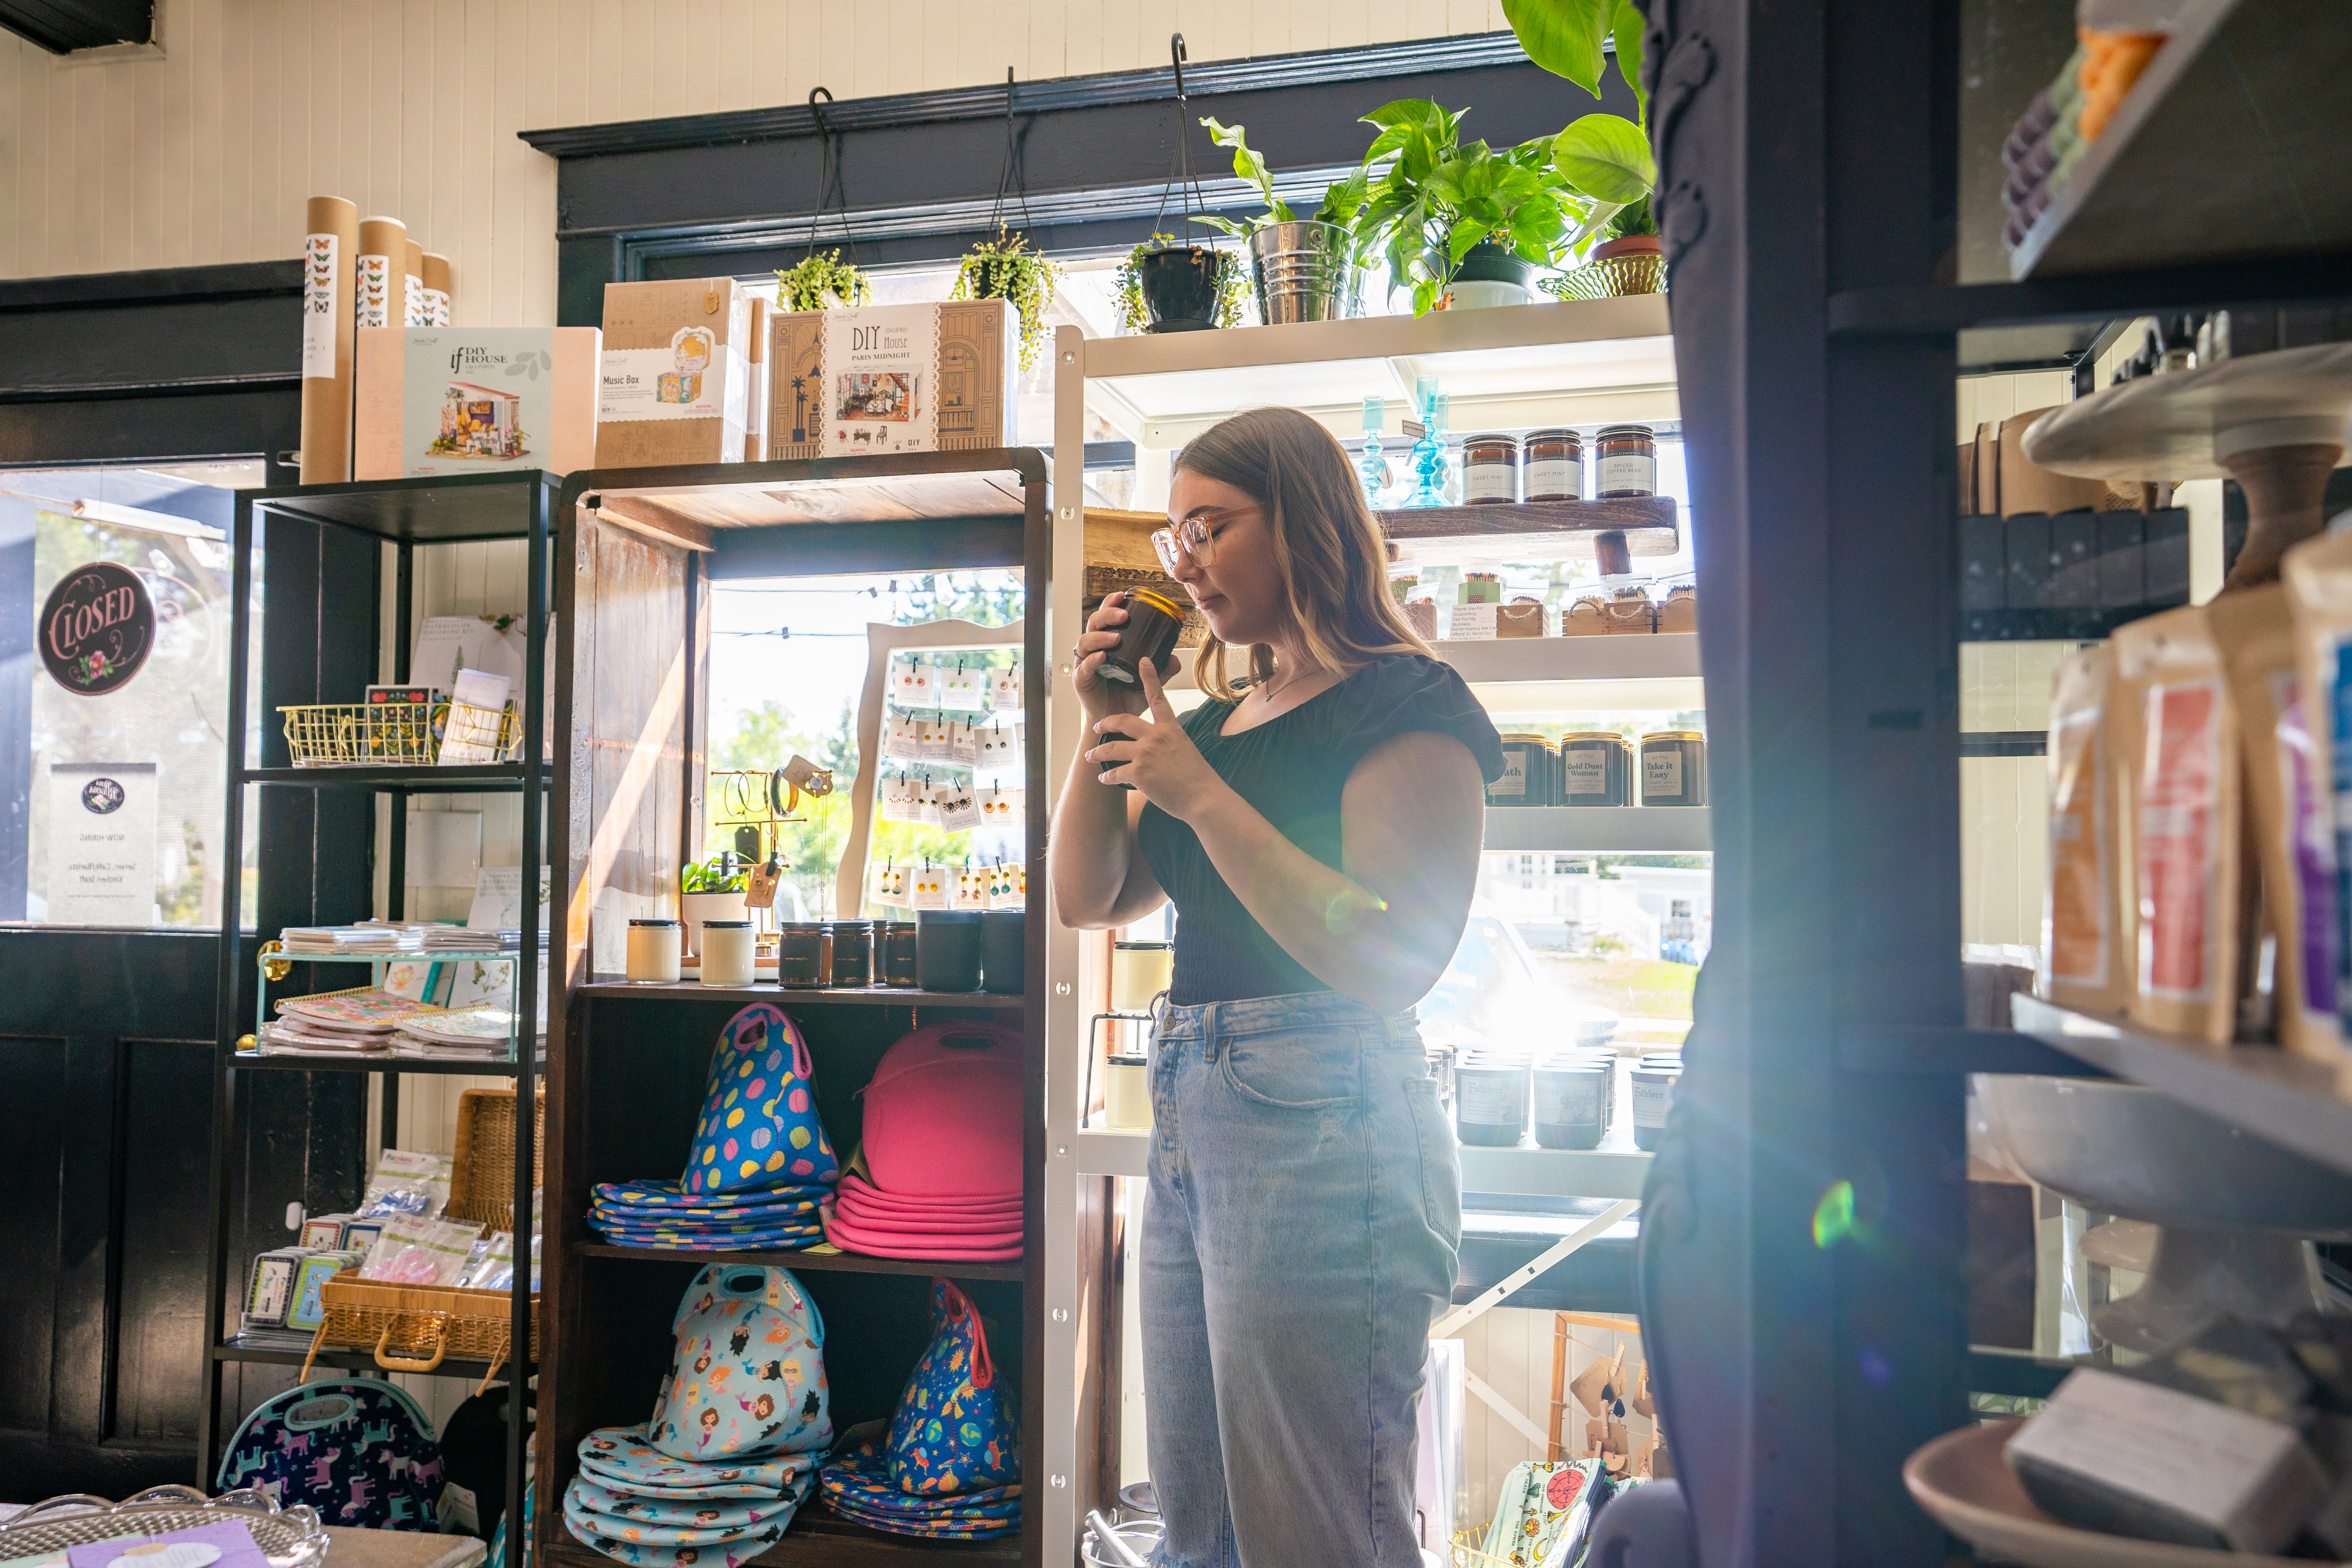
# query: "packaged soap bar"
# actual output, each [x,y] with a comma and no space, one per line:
[2089,919]
[677,381]
[2124,1457]
[2181,764]
[474,400]
[2287,808]
[2317,575]
[892,378]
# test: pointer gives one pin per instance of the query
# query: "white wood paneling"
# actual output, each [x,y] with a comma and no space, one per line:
[1511,1350]
[410,107]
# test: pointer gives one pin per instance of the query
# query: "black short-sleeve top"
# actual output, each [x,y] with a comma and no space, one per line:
[1293,769]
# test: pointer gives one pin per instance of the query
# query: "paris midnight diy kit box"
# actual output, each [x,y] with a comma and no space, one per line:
[473,399]
[892,378]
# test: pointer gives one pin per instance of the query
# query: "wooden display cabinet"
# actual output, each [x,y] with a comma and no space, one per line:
[638,551]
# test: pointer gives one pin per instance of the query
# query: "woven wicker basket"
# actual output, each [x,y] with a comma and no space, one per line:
[1609,278]
[481,1175]
[414,1328]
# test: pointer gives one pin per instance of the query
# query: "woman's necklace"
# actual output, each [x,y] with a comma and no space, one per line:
[1272,691]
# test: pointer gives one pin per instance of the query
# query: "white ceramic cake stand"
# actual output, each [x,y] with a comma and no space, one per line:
[2274,422]
[2235,1211]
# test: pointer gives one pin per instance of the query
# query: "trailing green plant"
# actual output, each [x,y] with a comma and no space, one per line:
[1232,284]
[822,282]
[1006,268]
[1342,199]
[1435,198]
[722,873]
[1605,158]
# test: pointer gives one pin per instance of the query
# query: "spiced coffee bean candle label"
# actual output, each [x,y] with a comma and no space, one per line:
[1629,461]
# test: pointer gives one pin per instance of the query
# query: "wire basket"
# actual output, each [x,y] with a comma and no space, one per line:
[289,1538]
[1609,278]
[361,735]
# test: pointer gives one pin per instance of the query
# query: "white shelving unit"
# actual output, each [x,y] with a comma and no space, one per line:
[1578,364]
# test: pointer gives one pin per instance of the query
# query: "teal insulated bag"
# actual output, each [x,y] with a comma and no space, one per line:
[357,1449]
[748,1380]
[759,1126]
[957,1429]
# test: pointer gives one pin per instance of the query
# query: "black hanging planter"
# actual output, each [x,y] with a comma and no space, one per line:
[1180,287]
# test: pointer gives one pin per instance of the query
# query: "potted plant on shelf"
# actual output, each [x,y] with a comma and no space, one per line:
[1006,268]
[823,282]
[1603,158]
[1305,269]
[712,889]
[1167,286]
[1458,223]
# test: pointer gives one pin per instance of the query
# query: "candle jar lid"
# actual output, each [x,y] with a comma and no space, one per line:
[716,925]
[1672,735]
[1157,601]
[1142,946]
[659,921]
[1643,430]
[943,917]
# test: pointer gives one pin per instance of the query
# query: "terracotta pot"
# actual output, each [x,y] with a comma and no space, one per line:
[1631,245]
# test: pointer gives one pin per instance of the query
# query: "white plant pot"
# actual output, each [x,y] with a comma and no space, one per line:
[693,909]
[1479,296]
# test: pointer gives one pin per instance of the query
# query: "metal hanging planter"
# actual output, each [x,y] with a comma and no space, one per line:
[1305,271]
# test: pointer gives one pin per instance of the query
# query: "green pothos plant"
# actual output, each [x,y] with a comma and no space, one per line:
[1432,198]
[1342,198]
[1006,268]
[722,873]
[1232,284]
[822,282]
[1605,158]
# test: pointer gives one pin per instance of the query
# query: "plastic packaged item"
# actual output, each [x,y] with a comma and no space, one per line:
[2319,577]
[946,949]
[420,1252]
[726,952]
[1004,952]
[2178,731]
[654,953]
[2286,808]
[406,1183]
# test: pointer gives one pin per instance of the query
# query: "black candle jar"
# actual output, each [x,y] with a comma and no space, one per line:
[894,950]
[799,957]
[852,951]
[1154,622]
[1004,952]
[946,949]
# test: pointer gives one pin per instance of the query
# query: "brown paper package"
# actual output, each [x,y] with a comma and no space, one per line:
[2025,487]
[327,399]
[416,290]
[2257,635]
[437,278]
[382,363]
[380,306]
[2090,918]
[2196,918]
[645,316]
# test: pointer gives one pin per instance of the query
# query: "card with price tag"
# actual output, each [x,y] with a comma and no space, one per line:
[759,886]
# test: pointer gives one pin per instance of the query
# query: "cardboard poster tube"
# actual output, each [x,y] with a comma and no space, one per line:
[383,262]
[330,252]
[436,290]
[412,294]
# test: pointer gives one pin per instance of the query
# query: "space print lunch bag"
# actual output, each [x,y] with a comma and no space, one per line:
[956,1429]
[357,1449]
[759,1127]
[749,1374]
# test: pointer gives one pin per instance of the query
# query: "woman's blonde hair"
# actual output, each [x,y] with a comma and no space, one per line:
[1332,556]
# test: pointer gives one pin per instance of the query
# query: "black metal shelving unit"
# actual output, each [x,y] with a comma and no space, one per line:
[405,514]
[1804,1258]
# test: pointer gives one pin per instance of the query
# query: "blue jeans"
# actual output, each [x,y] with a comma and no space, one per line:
[1305,1211]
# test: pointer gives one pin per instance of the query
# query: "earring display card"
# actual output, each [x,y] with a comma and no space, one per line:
[971,888]
[930,889]
[1008,885]
[998,749]
[902,741]
[1004,690]
[887,885]
[1002,807]
[933,736]
[962,745]
[914,683]
[956,806]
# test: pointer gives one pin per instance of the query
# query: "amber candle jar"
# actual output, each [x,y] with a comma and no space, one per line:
[1490,469]
[1628,461]
[1551,466]
[1154,621]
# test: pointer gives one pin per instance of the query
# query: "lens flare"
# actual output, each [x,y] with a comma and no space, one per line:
[1833,1216]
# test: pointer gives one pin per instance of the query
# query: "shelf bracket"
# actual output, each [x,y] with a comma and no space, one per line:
[1454,1322]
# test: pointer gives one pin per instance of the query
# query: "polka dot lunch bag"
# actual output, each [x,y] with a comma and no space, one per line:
[957,1429]
[749,1377]
[759,1126]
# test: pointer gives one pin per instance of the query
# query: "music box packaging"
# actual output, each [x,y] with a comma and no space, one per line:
[473,399]
[677,373]
[892,378]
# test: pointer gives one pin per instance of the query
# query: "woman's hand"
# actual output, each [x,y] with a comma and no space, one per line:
[1157,758]
[1097,696]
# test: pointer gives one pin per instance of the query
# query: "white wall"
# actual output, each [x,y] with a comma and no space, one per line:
[410,107]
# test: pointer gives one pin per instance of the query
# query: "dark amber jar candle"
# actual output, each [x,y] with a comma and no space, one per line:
[894,950]
[1628,462]
[1551,466]
[852,951]
[799,957]
[1490,469]
[1596,769]
[1154,621]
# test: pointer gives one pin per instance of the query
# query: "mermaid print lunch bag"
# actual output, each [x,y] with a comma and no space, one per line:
[749,1374]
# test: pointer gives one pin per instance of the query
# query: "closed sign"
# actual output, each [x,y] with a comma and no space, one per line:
[96,629]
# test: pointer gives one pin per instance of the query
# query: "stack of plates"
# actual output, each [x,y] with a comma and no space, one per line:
[637,1505]
[857,1484]
[982,1229]
[664,1214]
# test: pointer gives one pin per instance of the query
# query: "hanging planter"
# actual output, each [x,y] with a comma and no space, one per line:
[1006,269]
[1167,287]
[823,282]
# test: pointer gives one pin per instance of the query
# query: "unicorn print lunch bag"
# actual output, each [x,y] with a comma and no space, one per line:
[357,1449]
[749,1374]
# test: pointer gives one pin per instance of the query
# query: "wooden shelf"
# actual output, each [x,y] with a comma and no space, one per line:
[341,1360]
[1610,829]
[2296,1102]
[1517,530]
[841,1262]
[797,996]
[2179,425]
[2228,148]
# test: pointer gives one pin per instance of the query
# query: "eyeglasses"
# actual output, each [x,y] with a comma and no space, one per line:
[1196,536]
